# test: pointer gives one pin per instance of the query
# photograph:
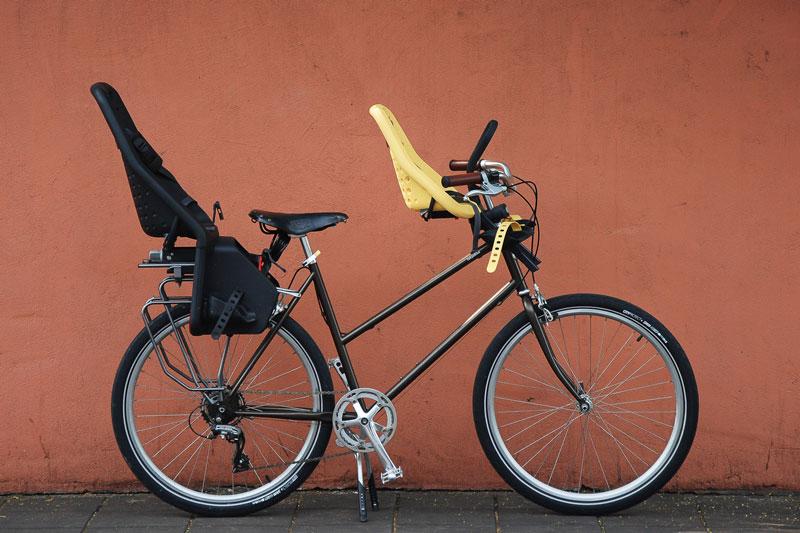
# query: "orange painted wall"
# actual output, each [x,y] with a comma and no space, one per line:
[663,136]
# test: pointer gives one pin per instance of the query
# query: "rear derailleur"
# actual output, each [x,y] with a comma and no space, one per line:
[235,436]
[221,419]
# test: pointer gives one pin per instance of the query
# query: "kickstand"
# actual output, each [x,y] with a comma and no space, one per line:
[373,494]
[362,497]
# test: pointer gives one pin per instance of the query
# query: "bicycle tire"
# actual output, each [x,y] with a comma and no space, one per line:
[643,425]
[163,431]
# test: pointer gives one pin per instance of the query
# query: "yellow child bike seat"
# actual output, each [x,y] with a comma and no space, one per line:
[420,184]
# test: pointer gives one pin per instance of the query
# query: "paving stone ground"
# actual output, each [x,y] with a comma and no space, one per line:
[403,511]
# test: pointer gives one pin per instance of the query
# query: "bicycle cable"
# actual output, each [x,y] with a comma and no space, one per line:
[534,214]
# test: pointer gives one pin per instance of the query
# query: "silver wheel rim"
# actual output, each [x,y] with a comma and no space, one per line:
[276,451]
[609,407]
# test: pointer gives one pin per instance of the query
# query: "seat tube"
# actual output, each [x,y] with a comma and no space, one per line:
[328,314]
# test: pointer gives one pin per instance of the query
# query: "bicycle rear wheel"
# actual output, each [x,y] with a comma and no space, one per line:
[165,431]
[640,425]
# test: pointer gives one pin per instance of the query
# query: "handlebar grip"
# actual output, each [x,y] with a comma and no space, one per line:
[473,178]
[457,165]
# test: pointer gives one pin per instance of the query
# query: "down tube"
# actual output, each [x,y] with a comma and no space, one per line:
[453,338]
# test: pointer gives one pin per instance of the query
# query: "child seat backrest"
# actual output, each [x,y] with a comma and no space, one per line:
[419,183]
[158,197]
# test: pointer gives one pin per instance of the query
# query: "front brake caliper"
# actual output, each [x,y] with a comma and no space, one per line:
[541,303]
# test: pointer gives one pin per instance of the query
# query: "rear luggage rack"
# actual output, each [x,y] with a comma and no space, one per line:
[178,275]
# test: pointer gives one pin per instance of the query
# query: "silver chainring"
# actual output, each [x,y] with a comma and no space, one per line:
[350,419]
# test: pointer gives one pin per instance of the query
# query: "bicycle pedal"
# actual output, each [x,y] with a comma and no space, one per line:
[391,474]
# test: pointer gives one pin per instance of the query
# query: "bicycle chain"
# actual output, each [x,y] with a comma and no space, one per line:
[309,393]
[310,459]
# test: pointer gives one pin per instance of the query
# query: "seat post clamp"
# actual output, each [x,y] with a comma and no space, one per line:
[311,259]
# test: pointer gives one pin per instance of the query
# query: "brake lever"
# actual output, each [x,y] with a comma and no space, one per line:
[488,188]
[503,171]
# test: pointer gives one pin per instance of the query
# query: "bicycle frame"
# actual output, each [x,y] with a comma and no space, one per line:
[341,339]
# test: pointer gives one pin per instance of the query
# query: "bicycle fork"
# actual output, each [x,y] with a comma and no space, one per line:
[530,305]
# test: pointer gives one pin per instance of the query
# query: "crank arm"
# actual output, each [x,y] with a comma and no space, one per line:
[390,471]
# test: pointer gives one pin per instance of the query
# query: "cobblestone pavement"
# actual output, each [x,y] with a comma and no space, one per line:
[404,511]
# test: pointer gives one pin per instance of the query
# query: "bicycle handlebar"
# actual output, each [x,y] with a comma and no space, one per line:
[473,178]
[458,165]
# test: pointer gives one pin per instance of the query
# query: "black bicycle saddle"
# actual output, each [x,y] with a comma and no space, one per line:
[297,223]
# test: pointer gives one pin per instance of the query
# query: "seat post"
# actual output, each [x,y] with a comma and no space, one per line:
[306,247]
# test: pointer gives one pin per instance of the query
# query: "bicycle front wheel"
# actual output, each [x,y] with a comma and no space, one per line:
[642,414]
[189,448]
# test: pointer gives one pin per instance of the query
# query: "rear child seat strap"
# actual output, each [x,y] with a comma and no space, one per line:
[227,312]
[150,156]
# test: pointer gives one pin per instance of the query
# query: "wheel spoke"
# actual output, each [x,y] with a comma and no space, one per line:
[545,417]
[637,441]
[241,356]
[266,366]
[558,455]
[637,426]
[608,365]
[613,393]
[269,442]
[264,457]
[548,371]
[259,423]
[633,377]
[529,403]
[620,444]
[640,415]
[546,385]
[578,448]
[630,359]
[558,429]
[172,426]
[599,462]
[181,453]
[615,404]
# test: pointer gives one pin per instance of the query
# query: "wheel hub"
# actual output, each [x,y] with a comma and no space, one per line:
[585,404]
[223,411]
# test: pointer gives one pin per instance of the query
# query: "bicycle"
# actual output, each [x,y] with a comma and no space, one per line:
[223,404]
